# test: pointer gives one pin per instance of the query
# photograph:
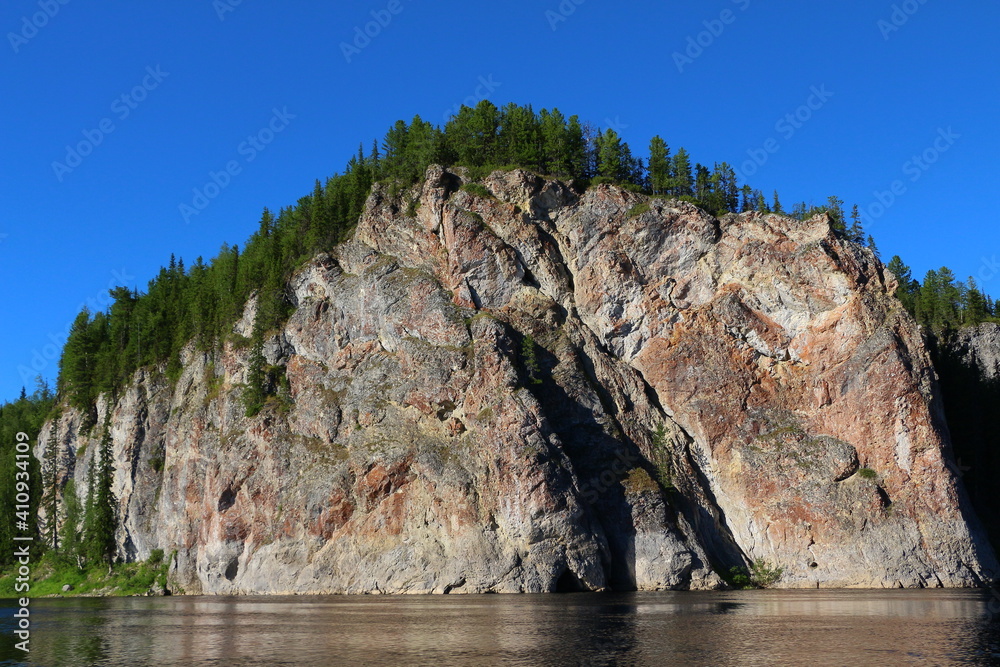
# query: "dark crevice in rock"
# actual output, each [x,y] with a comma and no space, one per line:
[227,499]
[450,587]
[599,460]
[477,302]
[233,569]
[449,184]
[527,276]
[568,582]
[883,497]
[708,520]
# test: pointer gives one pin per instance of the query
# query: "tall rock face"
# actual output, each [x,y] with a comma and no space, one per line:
[978,349]
[514,386]
[968,362]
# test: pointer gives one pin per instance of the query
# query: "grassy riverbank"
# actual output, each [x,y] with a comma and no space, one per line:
[52,572]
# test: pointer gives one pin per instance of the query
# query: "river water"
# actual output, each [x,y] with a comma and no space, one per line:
[898,627]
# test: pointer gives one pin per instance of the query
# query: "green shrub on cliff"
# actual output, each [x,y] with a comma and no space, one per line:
[761,574]
[529,357]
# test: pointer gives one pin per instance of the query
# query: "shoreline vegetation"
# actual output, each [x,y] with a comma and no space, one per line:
[53,573]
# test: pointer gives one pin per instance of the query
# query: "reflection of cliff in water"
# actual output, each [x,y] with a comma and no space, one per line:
[707,628]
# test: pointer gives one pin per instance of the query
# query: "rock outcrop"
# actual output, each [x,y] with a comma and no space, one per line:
[517,386]
[978,348]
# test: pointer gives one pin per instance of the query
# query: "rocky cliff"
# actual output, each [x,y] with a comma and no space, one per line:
[978,348]
[516,386]
[968,363]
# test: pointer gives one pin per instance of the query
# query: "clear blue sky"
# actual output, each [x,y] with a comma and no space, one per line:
[67,234]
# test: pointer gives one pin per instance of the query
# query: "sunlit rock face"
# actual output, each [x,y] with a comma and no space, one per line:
[520,387]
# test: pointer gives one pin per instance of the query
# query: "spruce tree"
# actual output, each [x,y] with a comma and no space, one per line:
[659,166]
[856,232]
[255,390]
[906,292]
[702,183]
[874,248]
[683,181]
[611,162]
[762,203]
[100,522]
[975,309]
[556,159]
[576,142]
[728,187]
[835,209]
[71,546]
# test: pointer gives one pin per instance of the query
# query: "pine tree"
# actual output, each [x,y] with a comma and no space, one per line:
[906,292]
[874,248]
[776,207]
[555,140]
[520,138]
[856,232]
[611,163]
[71,546]
[683,181]
[728,187]
[576,142]
[100,521]
[394,149]
[975,306]
[835,209]
[375,160]
[255,390]
[659,166]
[77,367]
[702,183]
[762,203]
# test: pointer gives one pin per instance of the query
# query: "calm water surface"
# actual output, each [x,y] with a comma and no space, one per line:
[725,628]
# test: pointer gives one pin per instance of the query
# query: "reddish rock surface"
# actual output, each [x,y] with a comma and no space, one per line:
[548,390]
